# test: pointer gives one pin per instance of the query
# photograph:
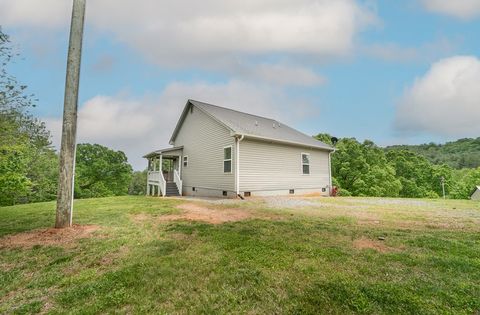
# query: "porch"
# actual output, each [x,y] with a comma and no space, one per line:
[164,172]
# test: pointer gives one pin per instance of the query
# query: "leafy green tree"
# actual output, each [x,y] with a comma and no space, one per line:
[27,161]
[462,153]
[138,185]
[325,138]
[43,173]
[464,182]
[13,163]
[363,170]
[419,177]
[101,172]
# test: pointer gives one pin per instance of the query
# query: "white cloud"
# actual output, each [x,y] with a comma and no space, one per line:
[35,14]
[210,32]
[445,101]
[463,9]
[138,126]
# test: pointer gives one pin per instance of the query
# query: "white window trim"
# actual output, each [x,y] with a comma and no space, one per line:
[183,161]
[302,164]
[231,159]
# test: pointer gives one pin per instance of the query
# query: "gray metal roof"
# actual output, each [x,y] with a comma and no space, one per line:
[253,126]
[158,152]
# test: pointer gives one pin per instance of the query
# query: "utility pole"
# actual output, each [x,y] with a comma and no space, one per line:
[69,129]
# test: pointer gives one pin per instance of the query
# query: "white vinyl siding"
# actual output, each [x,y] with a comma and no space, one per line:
[476,195]
[268,166]
[203,140]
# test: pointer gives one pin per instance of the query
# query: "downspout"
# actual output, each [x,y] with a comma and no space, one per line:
[330,172]
[237,165]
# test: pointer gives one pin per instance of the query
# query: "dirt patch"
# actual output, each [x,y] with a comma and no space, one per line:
[366,243]
[194,212]
[51,237]
[312,194]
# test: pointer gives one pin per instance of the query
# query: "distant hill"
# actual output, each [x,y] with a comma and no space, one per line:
[463,153]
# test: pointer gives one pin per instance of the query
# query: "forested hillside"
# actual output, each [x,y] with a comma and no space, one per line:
[365,169]
[463,153]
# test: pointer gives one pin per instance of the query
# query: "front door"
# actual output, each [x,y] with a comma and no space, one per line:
[168,165]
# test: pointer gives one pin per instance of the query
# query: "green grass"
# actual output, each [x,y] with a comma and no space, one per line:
[295,261]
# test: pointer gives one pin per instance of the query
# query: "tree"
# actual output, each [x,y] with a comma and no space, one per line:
[138,185]
[13,163]
[27,160]
[419,177]
[101,172]
[362,169]
[325,138]
[463,183]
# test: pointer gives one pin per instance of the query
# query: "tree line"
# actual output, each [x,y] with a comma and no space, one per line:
[364,169]
[459,154]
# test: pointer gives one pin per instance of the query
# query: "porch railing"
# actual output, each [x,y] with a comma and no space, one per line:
[156,176]
[178,181]
[163,185]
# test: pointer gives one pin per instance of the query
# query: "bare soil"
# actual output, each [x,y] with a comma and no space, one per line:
[366,243]
[51,236]
[194,212]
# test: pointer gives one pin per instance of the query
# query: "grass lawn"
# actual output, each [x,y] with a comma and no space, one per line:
[302,255]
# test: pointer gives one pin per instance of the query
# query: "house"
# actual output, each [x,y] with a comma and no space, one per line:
[475,194]
[218,151]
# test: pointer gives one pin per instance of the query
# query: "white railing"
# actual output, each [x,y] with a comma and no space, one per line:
[157,177]
[178,181]
[154,176]
[163,185]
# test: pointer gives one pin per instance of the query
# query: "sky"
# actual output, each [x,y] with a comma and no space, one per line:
[395,72]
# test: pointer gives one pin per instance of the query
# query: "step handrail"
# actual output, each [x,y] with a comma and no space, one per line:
[178,181]
[163,184]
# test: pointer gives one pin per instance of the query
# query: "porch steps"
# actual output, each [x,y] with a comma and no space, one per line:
[172,189]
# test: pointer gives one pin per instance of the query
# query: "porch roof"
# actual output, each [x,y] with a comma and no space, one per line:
[162,151]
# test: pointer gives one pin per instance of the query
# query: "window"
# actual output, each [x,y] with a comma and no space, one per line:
[305,163]
[291,191]
[185,161]
[227,159]
[224,193]
[247,194]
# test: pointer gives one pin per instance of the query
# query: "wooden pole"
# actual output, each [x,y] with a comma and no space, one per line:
[69,129]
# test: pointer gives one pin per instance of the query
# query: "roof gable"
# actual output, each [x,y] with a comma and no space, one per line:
[180,121]
[252,126]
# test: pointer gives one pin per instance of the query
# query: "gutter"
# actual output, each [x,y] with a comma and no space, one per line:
[237,164]
[330,171]
[283,141]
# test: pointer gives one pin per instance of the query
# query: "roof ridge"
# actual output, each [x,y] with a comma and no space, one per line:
[234,110]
